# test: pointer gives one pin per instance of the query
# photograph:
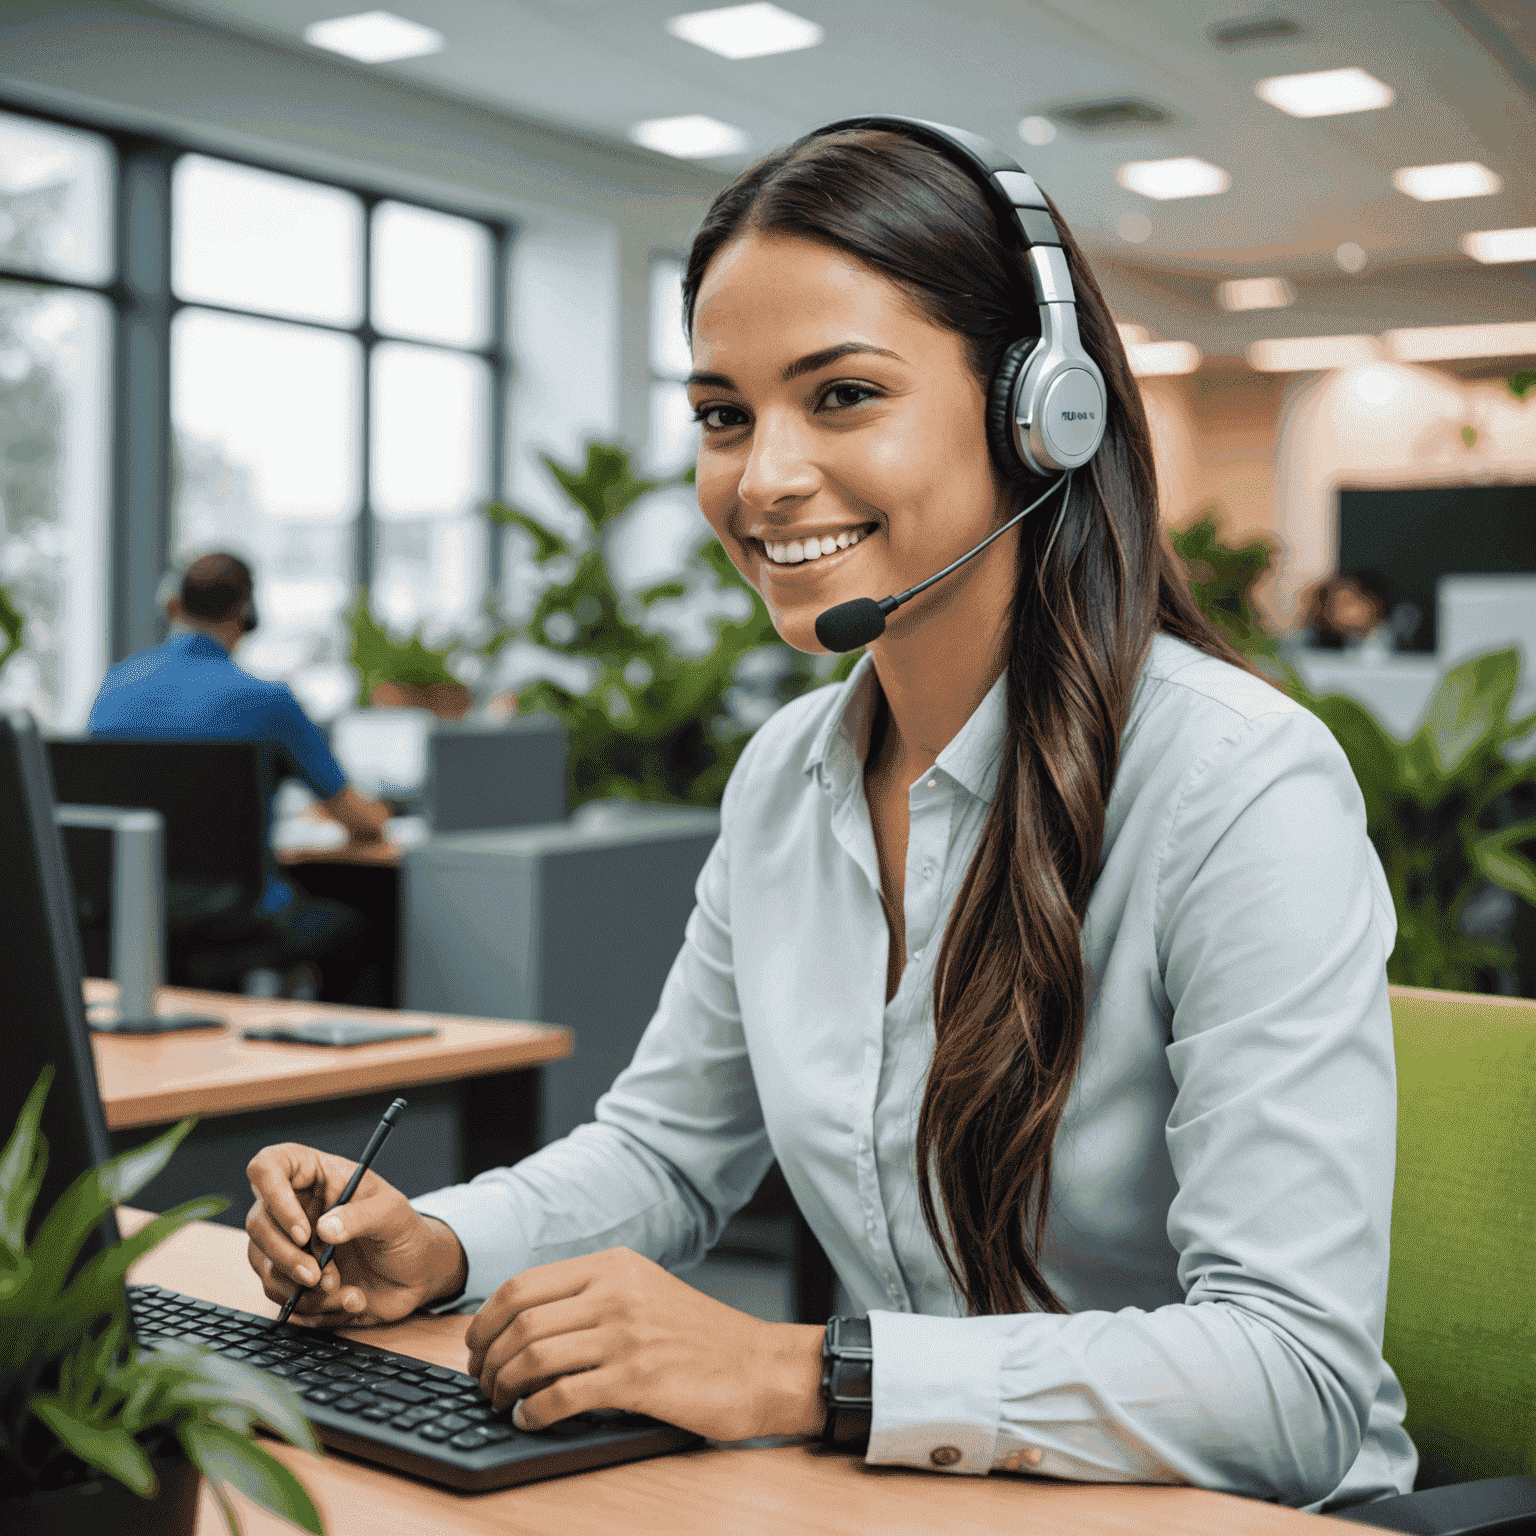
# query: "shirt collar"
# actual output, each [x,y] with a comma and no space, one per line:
[193,642]
[971,760]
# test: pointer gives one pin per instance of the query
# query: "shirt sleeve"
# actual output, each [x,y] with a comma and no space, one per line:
[676,1147]
[301,739]
[1273,926]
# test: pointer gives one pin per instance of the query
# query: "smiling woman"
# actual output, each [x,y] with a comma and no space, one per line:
[1046,953]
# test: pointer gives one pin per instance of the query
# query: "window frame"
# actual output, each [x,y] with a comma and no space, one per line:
[143,307]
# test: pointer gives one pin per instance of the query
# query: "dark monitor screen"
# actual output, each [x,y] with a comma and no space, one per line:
[1415,536]
[43,1009]
[211,795]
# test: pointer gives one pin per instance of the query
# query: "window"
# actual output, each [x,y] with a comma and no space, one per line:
[313,318]
[55,327]
[672,436]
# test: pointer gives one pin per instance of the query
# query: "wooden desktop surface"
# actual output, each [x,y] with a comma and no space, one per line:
[383,854]
[773,1489]
[154,1079]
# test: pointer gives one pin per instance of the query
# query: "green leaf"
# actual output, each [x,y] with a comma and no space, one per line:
[203,1381]
[226,1457]
[108,1449]
[547,544]
[22,1166]
[1373,755]
[1470,708]
[1494,856]
[98,1190]
[663,590]
[13,627]
[1521,382]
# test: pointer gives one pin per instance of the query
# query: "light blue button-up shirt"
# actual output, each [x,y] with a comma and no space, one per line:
[1221,1197]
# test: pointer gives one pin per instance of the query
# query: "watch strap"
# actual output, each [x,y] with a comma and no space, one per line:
[847,1382]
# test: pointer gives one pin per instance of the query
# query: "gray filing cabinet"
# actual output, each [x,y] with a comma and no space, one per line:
[576,923]
[507,774]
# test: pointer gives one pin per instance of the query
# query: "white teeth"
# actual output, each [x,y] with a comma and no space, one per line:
[798,550]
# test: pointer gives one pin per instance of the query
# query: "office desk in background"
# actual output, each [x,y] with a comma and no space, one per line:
[367,879]
[473,1089]
[778,1489]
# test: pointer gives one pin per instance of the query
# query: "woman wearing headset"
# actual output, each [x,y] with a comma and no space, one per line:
[1052,899]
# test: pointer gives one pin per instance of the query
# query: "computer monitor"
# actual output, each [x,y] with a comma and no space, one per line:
[44,1007]
[116,864]
[212,797]
[508,774]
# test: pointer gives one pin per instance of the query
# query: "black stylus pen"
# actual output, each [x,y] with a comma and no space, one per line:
[380,1136]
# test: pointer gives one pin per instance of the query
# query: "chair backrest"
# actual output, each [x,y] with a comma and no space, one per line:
[1461,1306]
[211,794]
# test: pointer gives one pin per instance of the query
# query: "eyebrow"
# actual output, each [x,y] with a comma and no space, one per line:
[812,362]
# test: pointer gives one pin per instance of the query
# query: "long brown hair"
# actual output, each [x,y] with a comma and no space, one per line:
[1009,995]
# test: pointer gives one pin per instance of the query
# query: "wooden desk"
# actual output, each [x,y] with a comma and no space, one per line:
[154,1079]
[382,854]
[778,1489]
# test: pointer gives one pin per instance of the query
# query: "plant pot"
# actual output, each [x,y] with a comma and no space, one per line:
[106,1508]
[448,701]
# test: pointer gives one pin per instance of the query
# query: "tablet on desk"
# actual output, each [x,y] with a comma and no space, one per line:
[338,1031]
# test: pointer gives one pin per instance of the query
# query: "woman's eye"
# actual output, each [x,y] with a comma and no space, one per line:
[842,396]
[719,418]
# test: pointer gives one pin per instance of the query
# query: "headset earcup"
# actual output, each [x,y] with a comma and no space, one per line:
[1000,406]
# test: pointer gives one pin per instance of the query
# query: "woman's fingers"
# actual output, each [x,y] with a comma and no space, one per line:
[571,1315]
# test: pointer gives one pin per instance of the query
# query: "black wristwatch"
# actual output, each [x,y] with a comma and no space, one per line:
[847,1383]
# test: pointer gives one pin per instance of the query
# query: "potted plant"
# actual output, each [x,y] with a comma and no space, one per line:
[94,1431]
[395,673]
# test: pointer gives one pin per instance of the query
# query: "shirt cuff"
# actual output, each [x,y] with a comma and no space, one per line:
[494,1249]
[937,1393]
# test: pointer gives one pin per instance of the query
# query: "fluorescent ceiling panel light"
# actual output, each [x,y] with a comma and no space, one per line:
[1308,354]
[1151,359]
[1132,335]
[1326,92]
[746,31]
[375,37]
[1164,179]
[1436,183]
[694,137]
[1500,245]
[1255,293]
[1440,343]
[1037,130]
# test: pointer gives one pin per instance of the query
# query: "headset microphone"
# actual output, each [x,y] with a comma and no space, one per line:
[852,624]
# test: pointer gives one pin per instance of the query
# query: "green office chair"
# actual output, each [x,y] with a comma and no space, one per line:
[1461,1304]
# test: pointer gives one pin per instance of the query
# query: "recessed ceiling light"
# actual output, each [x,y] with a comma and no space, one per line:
[1156,359]
[694,137]
[1350,256]
[746,31]
[1164,179]
[1435,183]
[1309,354]
[375,37]
[1255,293]
[1326,92]
[1500,245]
[1037,130]
[1437,343]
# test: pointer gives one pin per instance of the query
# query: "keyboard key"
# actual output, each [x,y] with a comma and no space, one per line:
[321,1395]
[432,1432]
[478,1414]
[469,1440]
[401,1392]
[234,1354]
[376,1415]
[350,1404]
[282,1369]
[454,1421]
[494,1433]
[442,1373]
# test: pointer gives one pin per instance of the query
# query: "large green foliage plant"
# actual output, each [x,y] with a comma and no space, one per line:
[654,724]
[77,1395]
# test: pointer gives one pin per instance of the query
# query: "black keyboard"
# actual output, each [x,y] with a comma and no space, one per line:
[401,1412]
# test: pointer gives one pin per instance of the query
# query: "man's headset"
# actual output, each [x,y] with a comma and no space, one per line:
[1046,401]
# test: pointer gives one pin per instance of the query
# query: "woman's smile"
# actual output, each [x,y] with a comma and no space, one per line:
[789,548]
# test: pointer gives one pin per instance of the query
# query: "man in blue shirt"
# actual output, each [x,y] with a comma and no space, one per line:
[189,689]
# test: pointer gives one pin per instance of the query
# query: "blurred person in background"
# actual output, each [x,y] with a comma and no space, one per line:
[1343,610]
[189,688]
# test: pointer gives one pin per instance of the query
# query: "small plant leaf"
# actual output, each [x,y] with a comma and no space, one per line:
[1494,856]
[547,544]
[1470,708]
[108,1449]
[22,1166]
[226,1457]
[1372,754]
[208,1381]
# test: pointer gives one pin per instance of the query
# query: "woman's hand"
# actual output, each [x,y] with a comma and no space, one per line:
[613,1330]
[389,1258]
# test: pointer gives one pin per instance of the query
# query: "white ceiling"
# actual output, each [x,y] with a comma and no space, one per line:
[1299,186]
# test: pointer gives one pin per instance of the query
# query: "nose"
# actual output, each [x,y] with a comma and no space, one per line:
[779,468]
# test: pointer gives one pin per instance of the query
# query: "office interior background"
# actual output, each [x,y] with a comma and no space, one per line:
[322,294]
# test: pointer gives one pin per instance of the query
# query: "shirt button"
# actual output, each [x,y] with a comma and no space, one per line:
[917,954]
[927,871]
[944,1455]
[933,783]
